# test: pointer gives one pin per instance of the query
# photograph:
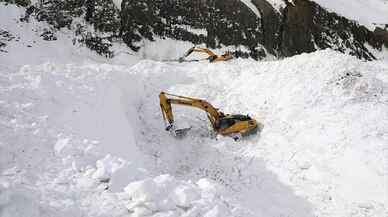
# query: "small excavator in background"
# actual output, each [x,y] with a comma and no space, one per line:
[213,58]
[236,125]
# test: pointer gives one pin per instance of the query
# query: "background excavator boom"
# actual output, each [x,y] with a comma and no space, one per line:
[212,56]
[199,50]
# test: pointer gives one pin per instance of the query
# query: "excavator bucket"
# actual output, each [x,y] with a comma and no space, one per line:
[227,125]
[179,133]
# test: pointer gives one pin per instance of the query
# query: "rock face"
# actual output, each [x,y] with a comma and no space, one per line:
[307,27]
[216,23]
[102,15]
[213,22]
[5,37]
[301,26]
[18,2]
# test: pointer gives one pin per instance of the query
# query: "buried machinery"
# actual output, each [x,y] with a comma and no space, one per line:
[236,125]
[213,58]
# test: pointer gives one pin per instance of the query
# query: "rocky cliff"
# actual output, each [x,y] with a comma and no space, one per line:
[300,26]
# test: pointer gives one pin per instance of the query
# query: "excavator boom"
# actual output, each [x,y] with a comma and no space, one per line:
[165,104]
[212,56]
[200,50]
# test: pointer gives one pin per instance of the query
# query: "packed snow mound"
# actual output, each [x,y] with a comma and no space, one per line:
[87,139]
[58,121]
[323,113]
[166,196]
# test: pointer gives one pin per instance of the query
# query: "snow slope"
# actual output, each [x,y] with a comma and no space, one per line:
[27,47]
[58,124]
[366,12]
[324,116]
[252,7]
[370,13]
[80,136]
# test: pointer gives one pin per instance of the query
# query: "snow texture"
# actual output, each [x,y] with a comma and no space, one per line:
[84,136]
[117,3]
[367,12]
[251,6]
[370,13]
[278,4]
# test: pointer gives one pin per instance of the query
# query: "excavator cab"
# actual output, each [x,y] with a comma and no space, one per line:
[236,125]
[212,58]
[230,120]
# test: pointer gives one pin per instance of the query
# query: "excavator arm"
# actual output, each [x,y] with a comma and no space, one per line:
[212,56]
[167,99]
[199,50]
[224,124]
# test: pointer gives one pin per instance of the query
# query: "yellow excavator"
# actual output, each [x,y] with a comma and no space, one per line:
[236,125]
[213,58]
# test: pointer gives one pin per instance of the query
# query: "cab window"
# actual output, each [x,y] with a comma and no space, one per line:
[225,123]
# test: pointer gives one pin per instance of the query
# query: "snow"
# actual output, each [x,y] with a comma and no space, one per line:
[311,150]
[117,3]
[308,154]
[60,145]
[83,136]
[370,13]
[366,12]
[278,4]
[168,196]
[163,49]
[29,46]
[251,6]
[381,55]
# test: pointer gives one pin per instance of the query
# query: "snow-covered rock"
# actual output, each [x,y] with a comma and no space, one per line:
[367,12]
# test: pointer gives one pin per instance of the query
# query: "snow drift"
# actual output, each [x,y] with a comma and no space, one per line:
[82,137]
[325,134]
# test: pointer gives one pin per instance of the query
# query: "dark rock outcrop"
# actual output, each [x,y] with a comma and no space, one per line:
[213,22]
[307,27]
[102,15]
[381,36]
[48,35]
[5,37]
[270,24]
[23,3]
[302,26]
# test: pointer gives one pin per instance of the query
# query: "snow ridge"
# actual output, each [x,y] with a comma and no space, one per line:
[251,6]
